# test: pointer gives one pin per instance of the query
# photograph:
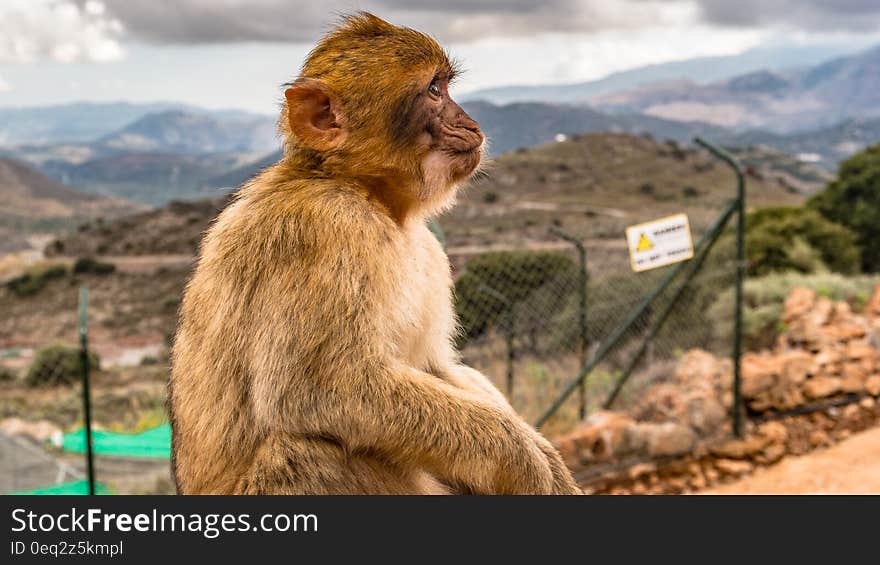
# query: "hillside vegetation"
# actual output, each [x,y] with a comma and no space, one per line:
[593,185]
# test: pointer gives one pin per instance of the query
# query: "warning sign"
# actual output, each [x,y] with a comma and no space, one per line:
[660,242]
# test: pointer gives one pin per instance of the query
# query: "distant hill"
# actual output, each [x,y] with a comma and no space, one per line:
[237,176]
[176,131]
[592,185]
[158,157]
[150,178]
[83,122]
[784,102]
[700,70]
[825,147]
[33,202]
[527,124]
[172,229]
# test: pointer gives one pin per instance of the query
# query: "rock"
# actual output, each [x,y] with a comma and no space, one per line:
[733,467]
[798,303]
[711,474]
[698,368]
[603,435]
[758,374]
[867,403]
[846,331]
[676,485]
[697,481]
[796,366]
[854,371]
[775,432]
[641,469]
[850,412]
[872,385]
[851,384]
[667,438]
[872,308]
[828,357]
[660,403]
[857,350]
[820,387]
[772,453]
[786,397]
[818,438]
[740,448]
[704,412]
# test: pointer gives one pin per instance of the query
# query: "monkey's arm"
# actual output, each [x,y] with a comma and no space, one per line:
[323,364]
[474,381]
[417,420]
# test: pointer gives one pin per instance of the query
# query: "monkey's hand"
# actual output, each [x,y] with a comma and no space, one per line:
[472,380]
[563,482]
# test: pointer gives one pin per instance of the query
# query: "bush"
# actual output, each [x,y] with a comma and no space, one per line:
[6,375]
[35,280]
[494,280]
[58,364]
[797,239]
[763,299]
[90,265]
[853,200]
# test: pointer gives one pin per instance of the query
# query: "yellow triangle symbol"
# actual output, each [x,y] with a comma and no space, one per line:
[644,243]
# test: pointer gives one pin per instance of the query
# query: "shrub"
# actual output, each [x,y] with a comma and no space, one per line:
[493,281]
[798,239]
[58,364]
[35,280]
[90,265]
[6,375]
[853,200]
[763,299]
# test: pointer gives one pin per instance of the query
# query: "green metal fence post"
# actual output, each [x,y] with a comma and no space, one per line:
[84,363]
[509,333]
[582,318]
[737,408]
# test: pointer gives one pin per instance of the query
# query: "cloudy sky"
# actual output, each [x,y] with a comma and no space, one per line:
[236,53]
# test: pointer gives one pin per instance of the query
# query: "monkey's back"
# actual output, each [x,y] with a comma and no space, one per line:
[261,268]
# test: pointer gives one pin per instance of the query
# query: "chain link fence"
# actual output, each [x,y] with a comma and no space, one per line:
[532,320]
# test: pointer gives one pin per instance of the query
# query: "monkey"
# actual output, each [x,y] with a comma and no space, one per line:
[314,349]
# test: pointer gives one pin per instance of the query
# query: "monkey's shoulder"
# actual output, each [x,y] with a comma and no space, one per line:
[301,217]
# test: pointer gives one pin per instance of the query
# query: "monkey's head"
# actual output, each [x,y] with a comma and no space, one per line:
[372,103]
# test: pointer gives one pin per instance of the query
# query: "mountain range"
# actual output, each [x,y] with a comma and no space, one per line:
[699,70]
[152,153]
[782,102]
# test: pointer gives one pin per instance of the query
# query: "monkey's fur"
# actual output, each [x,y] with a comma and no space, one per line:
[313,353]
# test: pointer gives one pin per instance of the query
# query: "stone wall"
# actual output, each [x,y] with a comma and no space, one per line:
[817,385]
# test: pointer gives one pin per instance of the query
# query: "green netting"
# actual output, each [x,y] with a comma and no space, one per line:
[152,443]
[75,487]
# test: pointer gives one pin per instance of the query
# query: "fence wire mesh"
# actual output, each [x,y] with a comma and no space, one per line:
[524,326]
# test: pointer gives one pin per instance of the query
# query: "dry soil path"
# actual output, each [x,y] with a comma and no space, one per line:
[849,467]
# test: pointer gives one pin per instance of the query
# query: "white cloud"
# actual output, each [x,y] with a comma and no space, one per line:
[4,86]
[59,30]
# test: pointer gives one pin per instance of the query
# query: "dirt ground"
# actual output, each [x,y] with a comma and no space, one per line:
[849,467]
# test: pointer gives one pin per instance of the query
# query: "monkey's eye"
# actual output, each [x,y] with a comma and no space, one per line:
[434,89]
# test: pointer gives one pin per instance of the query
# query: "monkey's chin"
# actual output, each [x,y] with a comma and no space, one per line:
[464,164]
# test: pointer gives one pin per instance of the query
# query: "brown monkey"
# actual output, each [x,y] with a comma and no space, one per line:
[313,353]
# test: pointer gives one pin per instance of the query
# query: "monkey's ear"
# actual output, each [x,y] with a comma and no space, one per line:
[313,114]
